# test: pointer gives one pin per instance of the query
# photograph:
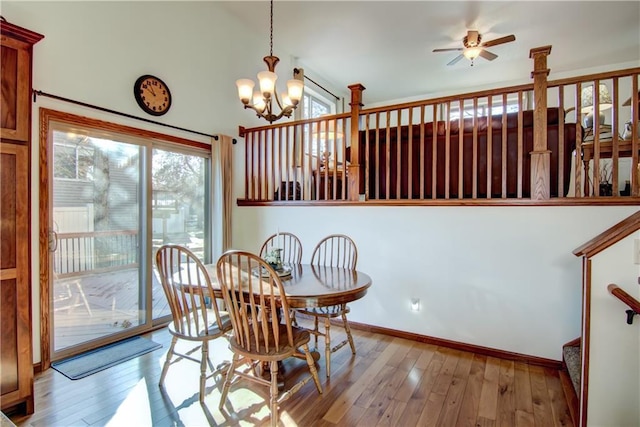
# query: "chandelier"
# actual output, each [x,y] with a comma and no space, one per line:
[262,101]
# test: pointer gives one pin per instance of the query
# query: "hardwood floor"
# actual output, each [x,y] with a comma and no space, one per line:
[390,382]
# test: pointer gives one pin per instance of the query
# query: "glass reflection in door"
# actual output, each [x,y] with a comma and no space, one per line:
[179,205]
[97,287]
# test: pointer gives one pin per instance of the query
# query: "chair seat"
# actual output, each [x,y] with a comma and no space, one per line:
[212,328]
[328,311]
[300,337]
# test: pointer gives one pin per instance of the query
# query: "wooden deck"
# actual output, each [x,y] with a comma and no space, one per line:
[390,382]
[95,305]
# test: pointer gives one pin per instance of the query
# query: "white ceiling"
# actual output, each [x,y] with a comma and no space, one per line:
[387,45]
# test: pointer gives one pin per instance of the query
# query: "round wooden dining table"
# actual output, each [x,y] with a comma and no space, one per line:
[317,286]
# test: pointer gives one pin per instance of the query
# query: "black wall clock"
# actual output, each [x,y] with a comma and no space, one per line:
[152,95]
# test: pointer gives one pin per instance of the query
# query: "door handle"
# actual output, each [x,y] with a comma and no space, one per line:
[53,241]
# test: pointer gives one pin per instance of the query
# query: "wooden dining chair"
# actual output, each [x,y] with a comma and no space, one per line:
[254,295]
[335,250]
[288,242]
[291,254]
[196,317]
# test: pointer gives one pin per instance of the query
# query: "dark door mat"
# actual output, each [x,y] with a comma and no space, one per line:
[93,361]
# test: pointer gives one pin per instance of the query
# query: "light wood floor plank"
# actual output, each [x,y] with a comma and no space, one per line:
[408,386]
[389,382]
[542,411]
[524,403]
[471,398]
[383,397]
[431,412]
[453,400]
[487,409]
[559,406]
[506,397]
[418,402]
[393,413]
[348,397]
[426,354]
[446,373]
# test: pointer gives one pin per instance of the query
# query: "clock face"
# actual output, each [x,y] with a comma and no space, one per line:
[152,95]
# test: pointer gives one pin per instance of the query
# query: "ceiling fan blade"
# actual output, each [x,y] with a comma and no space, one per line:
[456,59]
[449,49]
[505,39]
[487,55]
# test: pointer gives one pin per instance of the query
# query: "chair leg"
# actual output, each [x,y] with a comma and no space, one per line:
[315,329]
[84,298]
[347,329]
[227,381]
[273,401]
[312,367]
[203,368]
[167,361]
[327,345]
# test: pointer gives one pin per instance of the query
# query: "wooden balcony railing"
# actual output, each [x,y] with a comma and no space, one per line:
[517,144]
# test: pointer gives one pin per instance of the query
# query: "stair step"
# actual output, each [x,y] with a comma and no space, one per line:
[573,360]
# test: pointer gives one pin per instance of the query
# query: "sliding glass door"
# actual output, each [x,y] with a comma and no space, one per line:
[179,209]
[114,199]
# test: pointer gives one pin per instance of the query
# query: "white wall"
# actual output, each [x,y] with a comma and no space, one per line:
[93,52]
[614,359]
[475,269]
[502,278]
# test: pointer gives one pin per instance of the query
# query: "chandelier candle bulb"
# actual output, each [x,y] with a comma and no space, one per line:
[267,83]
[245,89]
[258,102]
[286,100]
[295,87]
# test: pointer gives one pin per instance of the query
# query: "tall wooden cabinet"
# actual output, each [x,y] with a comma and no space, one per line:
[16,355]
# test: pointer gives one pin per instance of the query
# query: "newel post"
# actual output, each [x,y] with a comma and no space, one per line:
[541,155]
[353,171]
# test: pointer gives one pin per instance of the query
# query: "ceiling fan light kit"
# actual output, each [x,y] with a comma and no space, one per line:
[474,47]
[471,53]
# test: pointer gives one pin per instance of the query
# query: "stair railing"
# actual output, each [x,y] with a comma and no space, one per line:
[630,301]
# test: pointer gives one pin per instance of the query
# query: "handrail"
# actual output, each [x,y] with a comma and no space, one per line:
[623,296]
[609,237]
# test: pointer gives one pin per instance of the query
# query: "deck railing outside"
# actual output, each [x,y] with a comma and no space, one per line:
[80,253]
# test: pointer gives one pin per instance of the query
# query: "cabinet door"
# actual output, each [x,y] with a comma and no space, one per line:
[16,87]
[16,367]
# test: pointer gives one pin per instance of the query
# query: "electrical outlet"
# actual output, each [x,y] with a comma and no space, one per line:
[636,251]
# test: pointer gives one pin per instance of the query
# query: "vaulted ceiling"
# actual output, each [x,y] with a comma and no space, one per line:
[387,45]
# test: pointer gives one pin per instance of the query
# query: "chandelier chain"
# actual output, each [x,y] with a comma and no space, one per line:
[271,31]
[265,105]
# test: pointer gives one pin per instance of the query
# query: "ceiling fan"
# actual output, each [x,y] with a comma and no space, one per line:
[474,47]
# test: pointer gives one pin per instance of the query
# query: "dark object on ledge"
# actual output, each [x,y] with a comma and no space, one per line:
[606,189]
[627,189]
[377,152]
[288,192]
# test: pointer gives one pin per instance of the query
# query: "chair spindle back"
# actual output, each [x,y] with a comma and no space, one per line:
[337,250]
[252,292]
[188,289]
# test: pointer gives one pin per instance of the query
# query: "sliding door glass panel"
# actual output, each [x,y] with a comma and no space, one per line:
[115,195]
[98,263]
[179,205]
